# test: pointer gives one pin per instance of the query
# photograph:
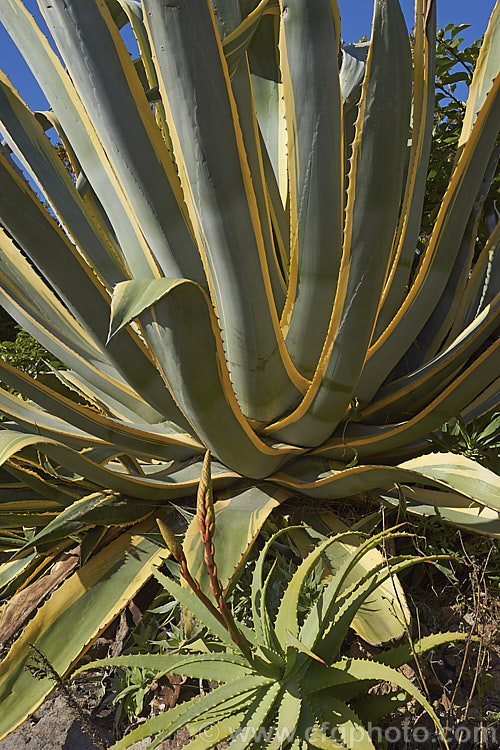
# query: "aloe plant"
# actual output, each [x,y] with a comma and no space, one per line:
[232,272]
[283,682]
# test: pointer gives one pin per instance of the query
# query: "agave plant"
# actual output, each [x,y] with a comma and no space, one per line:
[232,271]
[283,682]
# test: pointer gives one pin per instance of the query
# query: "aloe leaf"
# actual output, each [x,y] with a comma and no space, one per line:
[287,717]
[383,619]
[342,611]
[308,727]
[372,708]
[257,716]
[211,736]
[318,617]
[170,721]
[225,667]
[190,601]
[229,706]
[403,654]
[348,670]
[337,715]
[287,617]
[260,615]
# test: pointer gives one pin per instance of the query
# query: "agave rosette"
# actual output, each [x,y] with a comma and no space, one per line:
[231,271]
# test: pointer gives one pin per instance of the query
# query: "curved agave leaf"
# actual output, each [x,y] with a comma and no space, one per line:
[486,69]
[320,478]
[186,48]
[143,440]
[452,508]
[308,49]
[378,155]
[166,484]
[84,605]
[441,252]
[237,41]
[180,324]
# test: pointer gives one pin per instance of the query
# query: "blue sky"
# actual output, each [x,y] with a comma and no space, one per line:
[357,15]
[356,21]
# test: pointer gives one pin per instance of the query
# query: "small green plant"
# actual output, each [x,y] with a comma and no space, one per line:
[281,682]
[159,631]
[130,688]
[25,353]
[479,440]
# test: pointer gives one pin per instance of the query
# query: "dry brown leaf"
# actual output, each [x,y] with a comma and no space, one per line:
[22,604]
[167,695]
